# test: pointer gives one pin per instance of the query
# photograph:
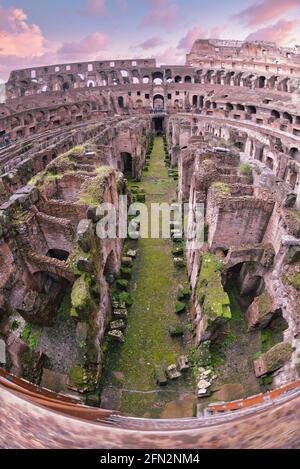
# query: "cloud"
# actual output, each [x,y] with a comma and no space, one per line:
[197,32]
[265,11]
[23,45]
[17,36]
[171,56]
[90,45]
[151,43]
[161,13]
[94,8]
[282,32]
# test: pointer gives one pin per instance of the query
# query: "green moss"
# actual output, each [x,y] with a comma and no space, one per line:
[26,332]
[34,340]
[266,340]
[245,169]
[221,188]
[200,356]
[93,189]
[122,284]
[77,376]
[179,307]
[15,325]
[278,355]
[124,298]
[210,292]
[184,293]
[256,355]
[296,281]
[264,303]
[81,296]
[176,330]
[292,218]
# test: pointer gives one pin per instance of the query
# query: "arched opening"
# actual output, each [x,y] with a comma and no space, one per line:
[158,125]
[110,268]
[195,100]
[91,84]
[229,107]
[251,109]
[261,82]
[287,116]
[295,153]
[178,79]
[157,78]
[121,102]
[239,145]
[49,284]
[146,80]
[66,86]
[126,163]
[293,180]
[275,114]
[158,102]
[250,284]
[187,79]
[59,254]
[270,163]
[240,107]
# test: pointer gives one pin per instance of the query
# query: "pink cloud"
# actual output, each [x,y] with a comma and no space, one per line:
[282,32]
[90,45]
[151,43]
[23,44]
[95,8]
[264,11]
[171,56]
[17,36]
[198,32]
[161,13]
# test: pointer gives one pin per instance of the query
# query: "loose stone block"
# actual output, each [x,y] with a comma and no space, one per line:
[117,336]
[172,372]
[119,324]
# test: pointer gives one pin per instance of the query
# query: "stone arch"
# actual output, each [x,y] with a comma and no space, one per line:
[275,114]
[251,109]
[261,82]
[295,153]
[157,78]
[158,101]
[90,84]
[287,116]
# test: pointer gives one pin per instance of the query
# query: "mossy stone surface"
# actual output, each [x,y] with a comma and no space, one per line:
[210,291]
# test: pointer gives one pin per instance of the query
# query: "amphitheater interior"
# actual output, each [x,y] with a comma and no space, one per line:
[79,366]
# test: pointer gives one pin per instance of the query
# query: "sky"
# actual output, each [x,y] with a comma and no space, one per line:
[41,32]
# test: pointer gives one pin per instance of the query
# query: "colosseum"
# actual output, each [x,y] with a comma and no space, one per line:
[146,342]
